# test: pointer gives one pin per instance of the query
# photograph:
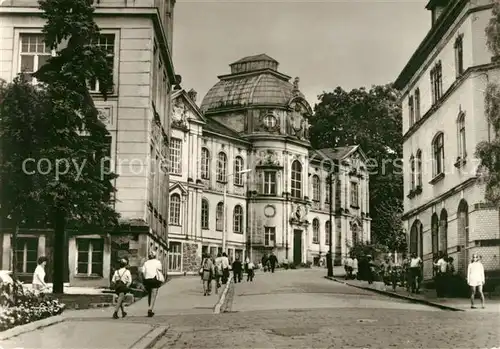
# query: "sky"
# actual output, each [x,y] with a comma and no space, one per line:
[325,43]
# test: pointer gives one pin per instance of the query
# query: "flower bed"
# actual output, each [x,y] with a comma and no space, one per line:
[19,306]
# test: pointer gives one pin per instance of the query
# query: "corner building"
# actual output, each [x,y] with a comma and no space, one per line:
[255,120]
[443,88]
[138,39]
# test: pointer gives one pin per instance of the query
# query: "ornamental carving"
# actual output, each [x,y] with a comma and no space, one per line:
[268,122]
[299,214]
[179,115]
[268,158]
[105,116]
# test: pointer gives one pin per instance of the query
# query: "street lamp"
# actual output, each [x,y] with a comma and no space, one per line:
[329,260]
[224,207]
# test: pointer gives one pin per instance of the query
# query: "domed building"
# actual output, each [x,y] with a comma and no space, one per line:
[245,180]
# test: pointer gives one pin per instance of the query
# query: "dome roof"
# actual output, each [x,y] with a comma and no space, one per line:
[254,80]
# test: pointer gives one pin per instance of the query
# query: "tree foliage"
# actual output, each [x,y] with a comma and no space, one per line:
[488,152]
[371,119]
[57,121]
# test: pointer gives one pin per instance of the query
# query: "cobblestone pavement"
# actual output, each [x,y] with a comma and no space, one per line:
[301,309]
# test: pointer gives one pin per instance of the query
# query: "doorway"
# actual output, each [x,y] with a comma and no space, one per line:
[297,247]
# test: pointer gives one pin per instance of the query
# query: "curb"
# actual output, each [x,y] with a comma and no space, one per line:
[395,295]
[223,296]
[32,326]
[150,338]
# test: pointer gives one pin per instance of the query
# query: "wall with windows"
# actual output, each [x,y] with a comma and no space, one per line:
[443,121]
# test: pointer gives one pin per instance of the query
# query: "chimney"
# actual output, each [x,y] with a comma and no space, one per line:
[192,95]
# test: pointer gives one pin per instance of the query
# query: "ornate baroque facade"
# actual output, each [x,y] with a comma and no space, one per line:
[443,88]
[137,115]
[254,120]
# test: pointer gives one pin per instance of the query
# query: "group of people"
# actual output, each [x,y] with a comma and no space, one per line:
[269,262]
[217,271]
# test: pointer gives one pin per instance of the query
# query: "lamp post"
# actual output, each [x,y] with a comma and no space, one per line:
[329,260]
[224,207]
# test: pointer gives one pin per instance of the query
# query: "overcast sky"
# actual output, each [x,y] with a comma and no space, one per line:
[326,43]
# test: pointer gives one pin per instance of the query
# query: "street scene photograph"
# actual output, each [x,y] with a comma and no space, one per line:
[249,174]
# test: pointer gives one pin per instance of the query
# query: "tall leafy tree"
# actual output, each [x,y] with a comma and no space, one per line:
[372,119]
[66,131]
[488,152]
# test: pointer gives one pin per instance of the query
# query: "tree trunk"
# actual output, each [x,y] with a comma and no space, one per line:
[59,252]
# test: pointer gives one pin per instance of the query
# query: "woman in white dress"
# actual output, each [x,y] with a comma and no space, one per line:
[38,282]
[475,279]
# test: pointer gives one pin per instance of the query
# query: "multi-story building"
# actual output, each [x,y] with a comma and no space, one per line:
[443,88]
[138,39]
[250,138]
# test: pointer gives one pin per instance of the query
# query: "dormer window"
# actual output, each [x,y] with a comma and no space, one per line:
[436,7]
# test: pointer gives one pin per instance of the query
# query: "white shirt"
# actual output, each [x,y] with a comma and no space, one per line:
[124,275]
[251,265]
[441,263]
[415,262]
[475,274]
[224,262]
[150,268]
[39,276]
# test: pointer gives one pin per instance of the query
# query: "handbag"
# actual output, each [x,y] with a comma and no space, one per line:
[159,276]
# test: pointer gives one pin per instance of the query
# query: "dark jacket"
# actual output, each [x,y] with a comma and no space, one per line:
[273,260]
[237,266]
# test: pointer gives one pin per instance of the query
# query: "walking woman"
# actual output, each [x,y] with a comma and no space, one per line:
[475,279]
[122,280]
[153,279]
[207,274]
[38,282]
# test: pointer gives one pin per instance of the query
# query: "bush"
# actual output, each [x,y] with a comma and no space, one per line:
[19,306]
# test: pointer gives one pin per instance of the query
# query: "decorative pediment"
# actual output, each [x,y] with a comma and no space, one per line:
[268,158]
[356,160]
[299,214]
[184,111]
[176,186]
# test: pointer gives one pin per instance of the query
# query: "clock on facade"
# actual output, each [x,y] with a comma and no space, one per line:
[269,211]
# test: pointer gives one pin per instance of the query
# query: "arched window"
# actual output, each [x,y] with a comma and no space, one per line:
[443,231]
[315,227]
[463,228]
[327,233]
[238,167]
[438,153]
[328,185]
[238,219]
[205,163]
[175,209]
[354,232]
[204,214]
[417,105]
[411,110]
[459,55]
[316,190]
[219,217]
[462,152]
[419,168]
[434,234]
[222,167]
[412,172]
[416,239]
[296,191]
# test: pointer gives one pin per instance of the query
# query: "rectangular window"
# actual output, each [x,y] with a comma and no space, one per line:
[354,194]
[327,233]
[175,155]
[175,256]
[270,236]
[338,193]
[26,251]
[411,110]
[327,190]
[459,56]
[270,183]
[107,43]
[33,54]
[213,251]
[90,256]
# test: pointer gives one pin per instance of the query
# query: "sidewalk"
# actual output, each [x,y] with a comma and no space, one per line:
[94,328]
[426,296]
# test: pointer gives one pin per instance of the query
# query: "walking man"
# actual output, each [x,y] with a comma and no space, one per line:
[272,261]
[264,262]
[237,270]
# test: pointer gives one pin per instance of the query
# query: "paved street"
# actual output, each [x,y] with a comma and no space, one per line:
[288,309]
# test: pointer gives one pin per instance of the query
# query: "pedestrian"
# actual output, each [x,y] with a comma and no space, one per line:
[475,279]
[153,279]
[122,279]
[354,268]
[440,277]
[348,267]
[272,261]
[237,270]
[225,268]
[371,269]
[207,274]
[264,262]
[450,277]
[415,268]
[218,271]
[251,271]
[38,283]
